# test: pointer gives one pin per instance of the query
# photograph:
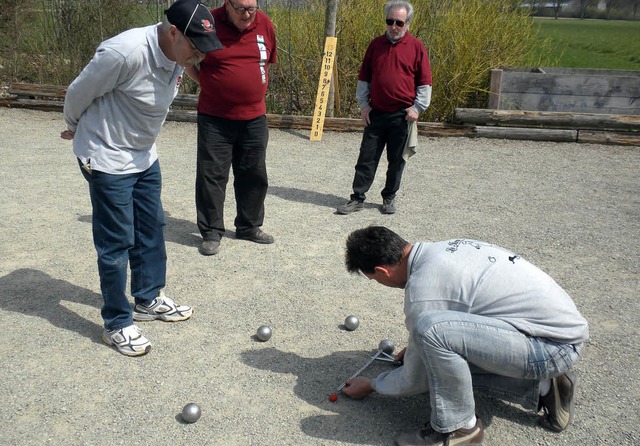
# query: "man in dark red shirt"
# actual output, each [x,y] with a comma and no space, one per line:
[394,87]
[232,126]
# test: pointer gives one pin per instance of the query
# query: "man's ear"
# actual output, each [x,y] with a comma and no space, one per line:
[382,270]
[173,31]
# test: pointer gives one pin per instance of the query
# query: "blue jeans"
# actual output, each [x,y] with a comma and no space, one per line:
[128,223]
[462,351]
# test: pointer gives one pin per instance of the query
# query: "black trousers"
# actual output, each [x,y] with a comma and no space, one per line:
[385,128]
[222,144]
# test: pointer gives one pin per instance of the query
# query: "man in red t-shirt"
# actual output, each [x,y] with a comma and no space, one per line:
[394,87]
[232,125]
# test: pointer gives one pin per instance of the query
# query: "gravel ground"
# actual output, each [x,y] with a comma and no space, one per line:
[572,209]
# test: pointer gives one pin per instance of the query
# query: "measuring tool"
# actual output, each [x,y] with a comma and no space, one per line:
[328,58]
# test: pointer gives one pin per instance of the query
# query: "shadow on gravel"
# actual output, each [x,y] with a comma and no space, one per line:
[177,230]
[373,420]
[312,197]
[302,134]
[34,293]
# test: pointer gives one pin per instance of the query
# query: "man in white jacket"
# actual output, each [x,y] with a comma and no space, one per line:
[114,111]
[478,316]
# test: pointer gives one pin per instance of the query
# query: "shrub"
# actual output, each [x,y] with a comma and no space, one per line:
[464,38]
[54,39]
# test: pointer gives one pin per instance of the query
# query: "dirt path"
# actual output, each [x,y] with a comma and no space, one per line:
[572,209]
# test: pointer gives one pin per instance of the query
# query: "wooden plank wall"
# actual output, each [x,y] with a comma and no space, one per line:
[51,98]
[577,91]
[501,124]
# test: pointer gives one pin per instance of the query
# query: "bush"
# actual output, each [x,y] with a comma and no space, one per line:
[54,39]
[464,38]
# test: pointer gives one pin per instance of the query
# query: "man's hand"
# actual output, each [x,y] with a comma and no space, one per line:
[358,388]
[67,134]
[411,115]
[400,356]
[364,113]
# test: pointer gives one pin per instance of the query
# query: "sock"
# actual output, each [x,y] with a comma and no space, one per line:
[471,423]
[545,386]
[149,304]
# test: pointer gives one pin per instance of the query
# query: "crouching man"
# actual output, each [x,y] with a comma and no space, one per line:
[478,316]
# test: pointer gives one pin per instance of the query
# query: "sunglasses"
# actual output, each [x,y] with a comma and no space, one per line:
[399,23]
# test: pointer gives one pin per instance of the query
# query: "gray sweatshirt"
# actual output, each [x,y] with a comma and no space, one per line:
[479,278]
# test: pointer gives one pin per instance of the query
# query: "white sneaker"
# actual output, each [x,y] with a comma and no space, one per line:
[128,340]
[163,308]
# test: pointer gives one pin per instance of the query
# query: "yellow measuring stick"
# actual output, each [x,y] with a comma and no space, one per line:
[317,122]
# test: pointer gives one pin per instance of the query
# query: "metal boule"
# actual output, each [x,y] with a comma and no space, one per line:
[264,333]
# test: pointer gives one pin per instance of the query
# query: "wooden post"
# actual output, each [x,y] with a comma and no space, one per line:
[331,14]
[525,118]
[494,93]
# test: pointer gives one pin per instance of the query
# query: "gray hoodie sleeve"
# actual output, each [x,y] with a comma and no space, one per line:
[362,94]
[423,98]
[409,379]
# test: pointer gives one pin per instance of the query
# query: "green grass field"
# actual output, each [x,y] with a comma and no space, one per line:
[613,45]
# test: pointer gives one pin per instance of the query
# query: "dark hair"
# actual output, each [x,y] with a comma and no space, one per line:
[373,246]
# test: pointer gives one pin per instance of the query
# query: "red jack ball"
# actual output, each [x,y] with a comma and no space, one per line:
[333,397]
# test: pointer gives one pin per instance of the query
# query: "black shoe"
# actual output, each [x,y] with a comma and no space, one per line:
[209,247]
[430,437]
[350,207]
[255,235]
[388,206]
[558,403]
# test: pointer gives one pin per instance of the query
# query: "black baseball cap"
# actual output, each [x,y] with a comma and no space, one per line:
[194,20]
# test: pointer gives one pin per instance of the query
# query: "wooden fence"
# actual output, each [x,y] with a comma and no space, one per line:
[566,90]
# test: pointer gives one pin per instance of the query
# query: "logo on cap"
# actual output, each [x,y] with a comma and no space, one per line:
[207,26]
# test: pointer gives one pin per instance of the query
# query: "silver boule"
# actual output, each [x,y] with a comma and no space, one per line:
[387,346]
[351,323]
[264,333]
[191,413]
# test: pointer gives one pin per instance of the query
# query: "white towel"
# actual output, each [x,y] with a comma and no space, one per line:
[412,140]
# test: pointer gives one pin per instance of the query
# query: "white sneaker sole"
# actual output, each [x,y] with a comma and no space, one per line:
[108,341]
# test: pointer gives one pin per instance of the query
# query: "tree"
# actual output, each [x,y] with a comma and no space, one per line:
[557,6]
[608,5]
[330,31]
[628,6]
[583,5]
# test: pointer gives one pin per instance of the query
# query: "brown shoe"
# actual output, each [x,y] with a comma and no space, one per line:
[430,437]
[388,206]
[255,235]
[558,403]
[209,247]
[350,207]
